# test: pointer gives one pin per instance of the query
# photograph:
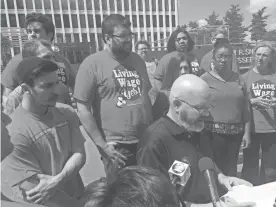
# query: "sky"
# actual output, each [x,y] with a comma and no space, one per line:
[200,9]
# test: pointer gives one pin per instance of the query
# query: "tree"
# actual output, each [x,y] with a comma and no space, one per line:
[258,24]
[270,36]
[183,26]
[193,24]
[234,18]
[213,19]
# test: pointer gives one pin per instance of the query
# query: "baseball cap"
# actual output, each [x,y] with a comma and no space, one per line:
[28,65]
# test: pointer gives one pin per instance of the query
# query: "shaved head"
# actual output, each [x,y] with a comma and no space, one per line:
[189,102]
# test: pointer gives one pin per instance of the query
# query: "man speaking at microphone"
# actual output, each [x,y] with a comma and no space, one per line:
[174,137]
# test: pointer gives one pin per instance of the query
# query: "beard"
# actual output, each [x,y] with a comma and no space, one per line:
[121,50]
[190,125]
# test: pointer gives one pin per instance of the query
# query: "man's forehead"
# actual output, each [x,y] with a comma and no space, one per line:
[121,29]
[34,25]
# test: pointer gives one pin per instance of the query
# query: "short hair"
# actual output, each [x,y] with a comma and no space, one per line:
[30,48]
[267,45]
[222,43]
[134,186]
[47,24]
[171,42]
[141,42]
[111,21]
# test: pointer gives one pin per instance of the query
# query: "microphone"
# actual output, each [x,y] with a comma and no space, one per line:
[180,172]
[206,166]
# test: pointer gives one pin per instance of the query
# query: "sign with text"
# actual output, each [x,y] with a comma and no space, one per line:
[244,55]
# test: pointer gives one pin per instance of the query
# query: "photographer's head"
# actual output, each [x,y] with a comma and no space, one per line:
[40,83]
[134,186]
[39,26]
[117,35]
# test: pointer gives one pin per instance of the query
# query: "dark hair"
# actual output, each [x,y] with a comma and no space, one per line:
[222,43]
[173,74]
[135,186]
[171,42]
[38,72]
[141,42]
[47,24]
[30,48]
[112,21]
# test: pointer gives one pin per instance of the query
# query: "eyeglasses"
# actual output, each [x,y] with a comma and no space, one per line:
[225,57]
[36,31]
[202,112]
[143,49]
[125,36]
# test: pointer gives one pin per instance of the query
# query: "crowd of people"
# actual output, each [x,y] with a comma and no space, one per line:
[141,114]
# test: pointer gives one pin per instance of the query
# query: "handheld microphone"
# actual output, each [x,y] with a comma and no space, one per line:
[180,172]
[206,166]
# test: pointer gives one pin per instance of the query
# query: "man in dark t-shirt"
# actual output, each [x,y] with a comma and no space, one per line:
[112,94]
[173,137]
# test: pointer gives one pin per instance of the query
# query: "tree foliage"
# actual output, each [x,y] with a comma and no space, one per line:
[213,19]
[234,19]
[258,25]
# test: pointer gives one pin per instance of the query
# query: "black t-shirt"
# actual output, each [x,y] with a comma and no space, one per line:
[162,144]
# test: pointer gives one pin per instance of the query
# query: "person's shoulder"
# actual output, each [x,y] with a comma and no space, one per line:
[154,134]
[13,63]
[205,76]
[19,122]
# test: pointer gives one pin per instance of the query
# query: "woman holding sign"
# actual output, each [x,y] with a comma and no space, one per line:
[228,125]
[261,84]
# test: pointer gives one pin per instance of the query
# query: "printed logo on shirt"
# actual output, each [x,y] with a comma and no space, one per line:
[62,73]
[129,84]
[263,88]
[195,67]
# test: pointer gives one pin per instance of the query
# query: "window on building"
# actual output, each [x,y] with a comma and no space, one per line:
[128,17]
[160,5]
[97,4]
[73,5]
[19,4]
[155,39]
[82,21]
[38,4]
[84,37]
[3,20]
[104,5]
[89,4]
[100,41]
[47,4]
[29,5]
[59,38]
[56,4]
[90,21]
[167,20]
[147,5]
[111,5]
[173,20]
[168,34]
[133,5]
[21,18]
[66,21]
[76,38]
[16,50]
[68,38]
[98,21]
[75,21]
[173,6]
[154,21]
[10,4]
[12,20]
[64,5]
[147,20]
[140,5]
[126,5]
[141,20]
[153,3]
[49,16]
[81,4]
[161,38]
[160,20]
[134,20]
[119,5]
[57,21]
[167,5]
[3,5]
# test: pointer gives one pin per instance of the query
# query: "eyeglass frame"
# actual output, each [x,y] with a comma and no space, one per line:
[131,35]
[200,111]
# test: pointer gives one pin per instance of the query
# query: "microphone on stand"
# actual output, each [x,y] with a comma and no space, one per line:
[206,166]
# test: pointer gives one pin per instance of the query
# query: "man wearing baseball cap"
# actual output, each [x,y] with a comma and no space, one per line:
[48,149]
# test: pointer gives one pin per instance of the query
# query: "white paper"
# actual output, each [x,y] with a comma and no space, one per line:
[263,195]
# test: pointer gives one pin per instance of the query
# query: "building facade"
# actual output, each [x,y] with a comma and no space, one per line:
[80,20]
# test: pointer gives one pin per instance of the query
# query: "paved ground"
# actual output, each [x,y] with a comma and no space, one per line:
[93,168]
